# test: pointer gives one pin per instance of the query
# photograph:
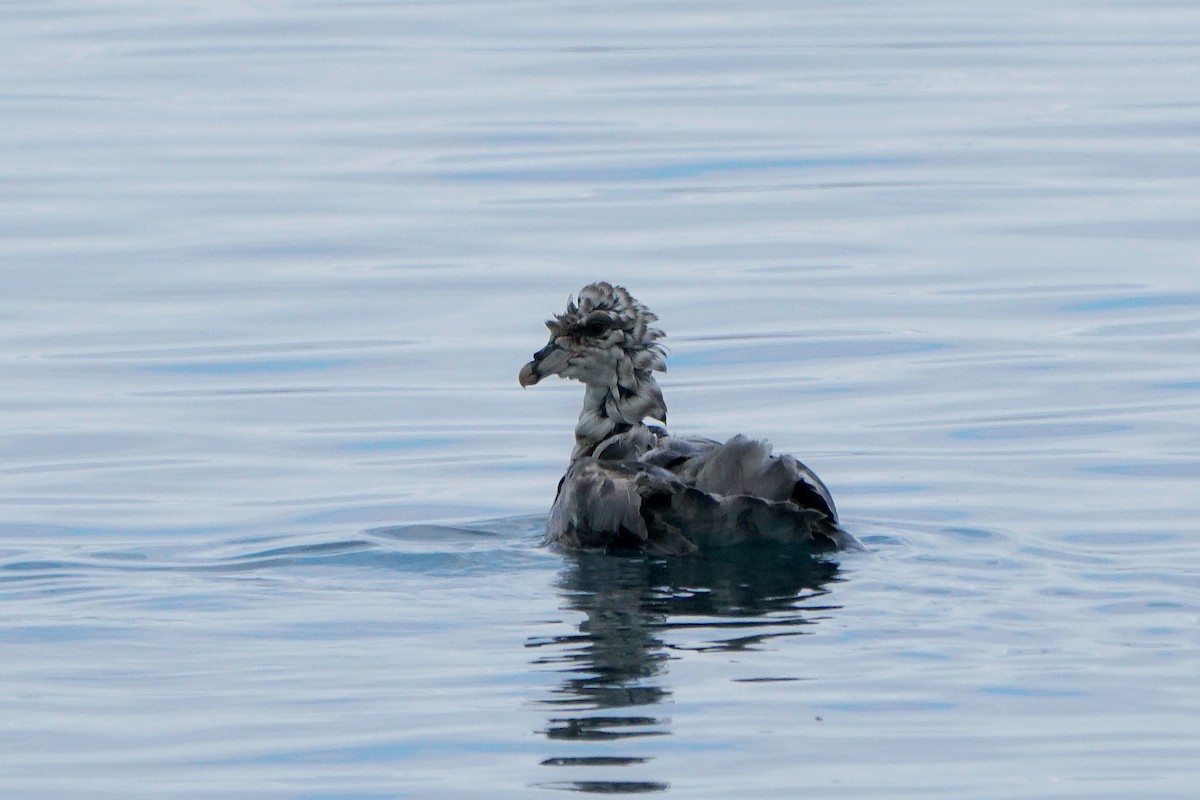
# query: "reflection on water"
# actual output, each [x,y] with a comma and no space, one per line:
[617,660]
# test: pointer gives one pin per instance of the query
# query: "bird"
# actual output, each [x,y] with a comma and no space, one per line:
[631,486]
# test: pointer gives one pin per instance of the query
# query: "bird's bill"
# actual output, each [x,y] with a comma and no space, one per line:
[550,360]
[529,375]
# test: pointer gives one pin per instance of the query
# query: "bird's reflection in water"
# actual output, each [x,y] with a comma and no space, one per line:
[642,611]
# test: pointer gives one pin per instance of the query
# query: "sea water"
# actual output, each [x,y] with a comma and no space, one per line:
[271,497]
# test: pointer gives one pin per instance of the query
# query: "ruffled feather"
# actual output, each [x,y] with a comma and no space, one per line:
[632,486]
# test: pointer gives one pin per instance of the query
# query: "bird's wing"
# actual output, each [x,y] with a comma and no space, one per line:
[691,494]
[743,467]
[674,452]
[613,505]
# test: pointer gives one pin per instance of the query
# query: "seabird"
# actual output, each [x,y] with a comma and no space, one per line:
[632,486]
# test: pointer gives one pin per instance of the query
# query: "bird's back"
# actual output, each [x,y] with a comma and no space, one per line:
[688,495]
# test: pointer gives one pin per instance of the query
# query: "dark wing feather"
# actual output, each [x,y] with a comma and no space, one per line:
[607,505]
[752,494]
[616,505]
[675,452]
[743,466]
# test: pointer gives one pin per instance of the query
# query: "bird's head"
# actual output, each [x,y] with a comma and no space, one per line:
[604,338]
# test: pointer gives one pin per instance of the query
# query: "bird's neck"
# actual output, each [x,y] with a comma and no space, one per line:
[612,423]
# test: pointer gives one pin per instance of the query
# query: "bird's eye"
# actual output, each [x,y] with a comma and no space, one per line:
[593,328]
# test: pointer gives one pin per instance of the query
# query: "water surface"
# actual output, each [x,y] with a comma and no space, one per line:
[270,496]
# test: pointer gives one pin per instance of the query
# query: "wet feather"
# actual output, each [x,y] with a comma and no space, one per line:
[631,485]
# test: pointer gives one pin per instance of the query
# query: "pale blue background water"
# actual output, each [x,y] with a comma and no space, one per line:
[270,495]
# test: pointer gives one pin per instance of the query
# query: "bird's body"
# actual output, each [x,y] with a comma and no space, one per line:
[630,484]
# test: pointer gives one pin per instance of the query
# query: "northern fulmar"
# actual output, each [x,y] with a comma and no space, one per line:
[631,486]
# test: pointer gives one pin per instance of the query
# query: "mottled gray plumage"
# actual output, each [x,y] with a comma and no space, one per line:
[631,485]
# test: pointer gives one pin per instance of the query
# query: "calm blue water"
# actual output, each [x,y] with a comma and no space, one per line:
[270,495]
